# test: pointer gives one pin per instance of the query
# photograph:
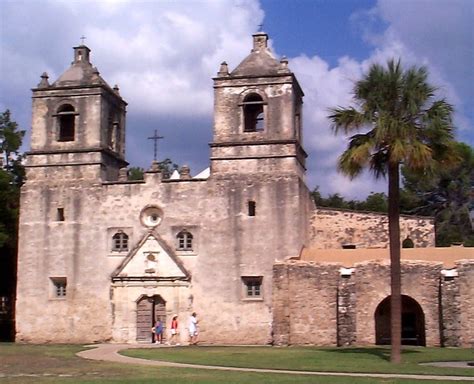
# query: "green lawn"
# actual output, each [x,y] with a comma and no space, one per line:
[46,364]
[374,359]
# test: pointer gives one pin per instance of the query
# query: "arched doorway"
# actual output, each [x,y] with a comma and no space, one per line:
[149,310]
[413,322]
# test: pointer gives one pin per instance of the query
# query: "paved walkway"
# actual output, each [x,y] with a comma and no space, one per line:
[109,352]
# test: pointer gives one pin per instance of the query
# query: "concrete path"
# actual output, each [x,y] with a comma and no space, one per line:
[109,352]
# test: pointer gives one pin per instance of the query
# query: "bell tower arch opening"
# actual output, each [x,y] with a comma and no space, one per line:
[254,113]
[66,123]
[413,322]
[84,118]
[257,117]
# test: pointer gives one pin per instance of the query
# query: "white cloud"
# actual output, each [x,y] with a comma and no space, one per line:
[164,54]
[431,41]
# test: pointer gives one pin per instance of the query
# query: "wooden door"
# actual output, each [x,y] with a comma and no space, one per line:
[149,310]
[144,319]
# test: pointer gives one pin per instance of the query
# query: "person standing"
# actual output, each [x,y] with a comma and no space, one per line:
[174,329]
[193,330]
[158,331]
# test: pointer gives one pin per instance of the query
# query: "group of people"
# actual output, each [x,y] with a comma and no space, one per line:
[159,327]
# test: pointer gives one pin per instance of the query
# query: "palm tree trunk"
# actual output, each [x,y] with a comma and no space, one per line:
[395,269]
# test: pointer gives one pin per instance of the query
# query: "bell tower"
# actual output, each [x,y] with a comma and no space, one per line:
[257,116]
[78,123]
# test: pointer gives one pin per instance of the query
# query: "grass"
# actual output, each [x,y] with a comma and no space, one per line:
[47,364]
[373,359]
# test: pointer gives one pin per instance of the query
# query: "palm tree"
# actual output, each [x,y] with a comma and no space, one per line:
[402,125]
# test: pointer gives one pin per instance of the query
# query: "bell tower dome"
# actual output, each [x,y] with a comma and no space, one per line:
[78,122]
[257,116]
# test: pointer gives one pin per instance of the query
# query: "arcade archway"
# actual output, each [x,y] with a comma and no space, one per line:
[413,322]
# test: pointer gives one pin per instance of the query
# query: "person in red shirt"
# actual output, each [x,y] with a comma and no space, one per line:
[174,329]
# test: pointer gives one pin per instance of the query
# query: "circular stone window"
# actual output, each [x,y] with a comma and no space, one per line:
[151,216]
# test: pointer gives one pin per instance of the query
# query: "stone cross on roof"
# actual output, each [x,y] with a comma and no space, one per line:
[155,138]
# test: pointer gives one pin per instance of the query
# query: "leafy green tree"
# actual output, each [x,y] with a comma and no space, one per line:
[10,139]
[402,125]
[335,200]
[11,178]
[444,194]
[166,166]
[135,173]
[375,202]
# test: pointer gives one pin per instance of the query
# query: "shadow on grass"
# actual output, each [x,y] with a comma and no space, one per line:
[381,353]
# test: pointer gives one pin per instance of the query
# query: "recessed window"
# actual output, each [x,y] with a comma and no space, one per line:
[252,206]
[66,119]
[59,286]
[60,214]
[408,243]
[254,116]
[184,241]
[252,286]
[348,246]
[120,242]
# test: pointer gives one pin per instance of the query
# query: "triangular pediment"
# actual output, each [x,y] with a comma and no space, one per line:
[151,259]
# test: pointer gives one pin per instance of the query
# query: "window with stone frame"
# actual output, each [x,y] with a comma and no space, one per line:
[66,123]
[252,208]
[184,241]
[120,242]
[252,287]
[59,287]
[254,113]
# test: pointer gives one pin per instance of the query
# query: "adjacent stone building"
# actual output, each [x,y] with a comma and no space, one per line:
[101,258]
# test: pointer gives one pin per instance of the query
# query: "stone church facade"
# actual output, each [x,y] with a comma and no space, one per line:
[101,258]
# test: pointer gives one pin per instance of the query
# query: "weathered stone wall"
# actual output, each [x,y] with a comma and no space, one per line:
[332,228]
[346,310]
[450,311]
[373,285]
[79,249]
[324,304]
[305,303]
[465,269]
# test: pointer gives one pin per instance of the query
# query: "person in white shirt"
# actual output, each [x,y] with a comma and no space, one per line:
[193,331]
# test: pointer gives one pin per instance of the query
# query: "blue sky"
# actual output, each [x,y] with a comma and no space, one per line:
[163,55]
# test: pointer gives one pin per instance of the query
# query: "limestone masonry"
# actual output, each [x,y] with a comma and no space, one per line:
[101,258]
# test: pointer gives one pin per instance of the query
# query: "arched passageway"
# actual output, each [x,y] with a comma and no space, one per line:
[413,322]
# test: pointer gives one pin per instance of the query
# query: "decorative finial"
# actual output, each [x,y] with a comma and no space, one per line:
[260,27]
[123,174]
[185,172]
[82,39]
[116,89]
[95,75]
[155,167]
[223,70]
[283,68]
[44,83]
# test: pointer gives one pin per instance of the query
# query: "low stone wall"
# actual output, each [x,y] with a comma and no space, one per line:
[305,303]
[333,228]
[465,270]
[328,304]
